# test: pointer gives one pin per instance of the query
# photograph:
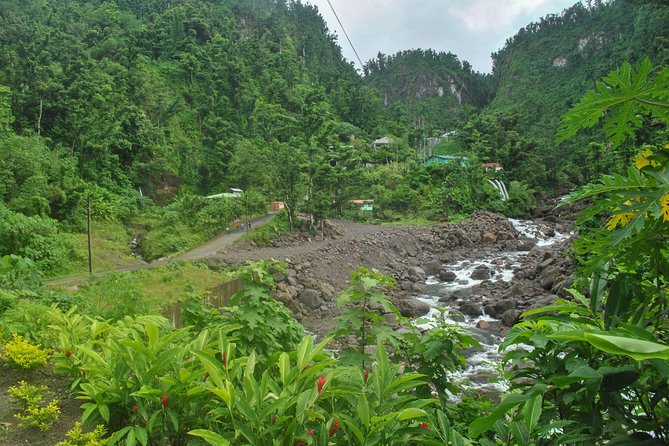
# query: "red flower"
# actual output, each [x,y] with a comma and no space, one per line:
[366,375]
[135,408]
[333,428]
[320,383]
[310,432]
[301,443]
[423,426]
[165,400]
[68,353]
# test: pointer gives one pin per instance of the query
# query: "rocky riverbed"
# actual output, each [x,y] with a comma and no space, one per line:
[317,269]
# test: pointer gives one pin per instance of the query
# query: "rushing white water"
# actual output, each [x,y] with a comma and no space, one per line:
[483,365]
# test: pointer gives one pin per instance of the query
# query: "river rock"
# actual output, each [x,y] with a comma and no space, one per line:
[482,272]
[510,318]
[470,309]
[483,325]
[416,274]
[432,268]
[447,276]
[549,276]
[288,301]
[410,307]
[488,237]
[517,290]
[490,310]
[310,298]
[420,288]
[504,305]
[327,291]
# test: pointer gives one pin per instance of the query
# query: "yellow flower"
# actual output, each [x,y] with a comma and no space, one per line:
[623,218]
[642,159]
[664,207]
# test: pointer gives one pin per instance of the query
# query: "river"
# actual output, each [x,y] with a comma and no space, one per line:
[483,369]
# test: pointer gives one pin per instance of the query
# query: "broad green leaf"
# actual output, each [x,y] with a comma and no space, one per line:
[211,365]
[411,413]
[210,437]
[532,412]
[638,349]
[363,410]
[284,367]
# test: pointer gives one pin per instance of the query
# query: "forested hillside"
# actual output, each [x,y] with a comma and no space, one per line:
[428,92]
[159,94]
[137,104]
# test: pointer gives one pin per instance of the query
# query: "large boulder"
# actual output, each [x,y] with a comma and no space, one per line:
[410,307]
[482,272]
[432,268]
[471,309]
[310,298]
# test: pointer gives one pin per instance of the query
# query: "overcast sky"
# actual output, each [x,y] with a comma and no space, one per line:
[470,29]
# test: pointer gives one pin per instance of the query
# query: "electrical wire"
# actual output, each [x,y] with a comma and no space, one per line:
[345,34]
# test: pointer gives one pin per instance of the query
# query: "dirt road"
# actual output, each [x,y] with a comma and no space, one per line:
[209,249]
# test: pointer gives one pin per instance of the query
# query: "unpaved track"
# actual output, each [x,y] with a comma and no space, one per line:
[207,250]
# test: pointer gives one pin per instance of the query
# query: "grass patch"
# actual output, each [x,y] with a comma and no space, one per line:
[110,242]
[120,294]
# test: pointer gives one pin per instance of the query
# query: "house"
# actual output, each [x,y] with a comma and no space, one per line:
[382,142]
[446,159]
[363,205]
[277,206]
[492,167]
[233,193]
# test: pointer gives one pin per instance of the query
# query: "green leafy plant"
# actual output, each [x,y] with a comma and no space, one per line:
[41,417]
[26,395]
[22,354]
[77,437]
[360,304]
[33,412]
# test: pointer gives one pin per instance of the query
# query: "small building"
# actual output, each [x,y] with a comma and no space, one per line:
[363,205]
[446,159]
[277,206]
[233,193]
[382,142]
[492,167]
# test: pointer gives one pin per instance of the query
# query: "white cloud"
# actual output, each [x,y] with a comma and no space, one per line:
[471,29]
[489,15]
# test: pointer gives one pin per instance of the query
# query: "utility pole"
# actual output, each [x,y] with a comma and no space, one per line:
[90,257]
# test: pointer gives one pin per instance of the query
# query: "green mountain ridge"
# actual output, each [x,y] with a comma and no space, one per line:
[183,95]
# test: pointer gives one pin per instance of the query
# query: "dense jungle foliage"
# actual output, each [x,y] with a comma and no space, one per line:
[145,107]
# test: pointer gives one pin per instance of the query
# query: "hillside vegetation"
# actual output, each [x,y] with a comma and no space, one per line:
[138,110]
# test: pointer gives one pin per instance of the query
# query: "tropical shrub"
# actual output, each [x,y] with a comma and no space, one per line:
[77,437]
[33,412]
[22,354]
[36,238]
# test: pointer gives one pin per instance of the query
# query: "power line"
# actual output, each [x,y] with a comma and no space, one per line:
[346,34]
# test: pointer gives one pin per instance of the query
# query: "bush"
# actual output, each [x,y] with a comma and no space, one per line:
[77,437]
[37,239]
[33,413]
[25,355]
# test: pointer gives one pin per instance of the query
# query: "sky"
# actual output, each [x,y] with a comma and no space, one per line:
[470,29]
